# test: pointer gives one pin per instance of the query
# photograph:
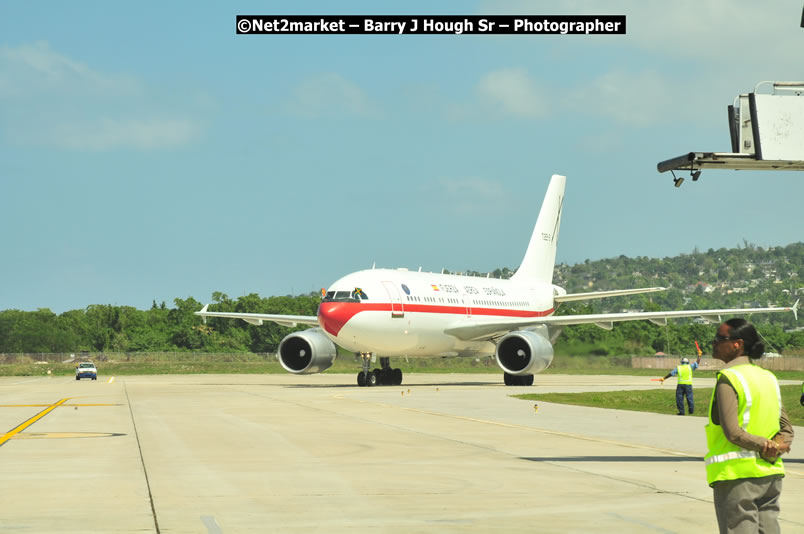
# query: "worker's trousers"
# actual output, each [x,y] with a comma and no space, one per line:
[684,390]
[748,505]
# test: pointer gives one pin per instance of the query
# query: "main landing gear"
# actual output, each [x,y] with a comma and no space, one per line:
[514,380]
[385,376]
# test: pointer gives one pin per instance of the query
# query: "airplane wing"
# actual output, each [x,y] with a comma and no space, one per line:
[603,294]
[259,318]
[485,329]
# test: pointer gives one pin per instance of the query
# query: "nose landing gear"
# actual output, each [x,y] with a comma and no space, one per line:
[385,376]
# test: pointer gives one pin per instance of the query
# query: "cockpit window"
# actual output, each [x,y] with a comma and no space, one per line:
[356,295]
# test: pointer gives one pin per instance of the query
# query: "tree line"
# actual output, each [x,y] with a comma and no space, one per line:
[726,278]
[107,328]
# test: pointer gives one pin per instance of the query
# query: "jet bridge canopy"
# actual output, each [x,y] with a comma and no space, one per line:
[766,131]
[727,160]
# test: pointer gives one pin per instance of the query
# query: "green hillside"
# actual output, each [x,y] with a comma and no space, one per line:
[745,276]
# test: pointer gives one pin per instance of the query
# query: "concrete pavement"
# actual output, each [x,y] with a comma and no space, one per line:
[283,453]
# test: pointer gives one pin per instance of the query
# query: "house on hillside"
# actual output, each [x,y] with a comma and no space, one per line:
[693,287]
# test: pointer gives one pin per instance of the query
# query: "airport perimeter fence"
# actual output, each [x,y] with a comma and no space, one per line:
[779,363]
[141,357]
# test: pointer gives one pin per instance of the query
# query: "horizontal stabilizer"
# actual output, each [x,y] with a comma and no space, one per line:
[603,294]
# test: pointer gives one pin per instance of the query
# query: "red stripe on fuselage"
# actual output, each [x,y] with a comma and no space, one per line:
[334,315]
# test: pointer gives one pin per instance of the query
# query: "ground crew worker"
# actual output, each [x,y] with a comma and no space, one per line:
[747,432]
[684,386]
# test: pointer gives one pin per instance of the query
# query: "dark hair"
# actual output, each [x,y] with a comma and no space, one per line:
[742,329]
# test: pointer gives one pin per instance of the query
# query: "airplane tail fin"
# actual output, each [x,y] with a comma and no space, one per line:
[540,257]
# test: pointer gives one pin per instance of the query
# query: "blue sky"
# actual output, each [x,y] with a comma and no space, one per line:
[149,152]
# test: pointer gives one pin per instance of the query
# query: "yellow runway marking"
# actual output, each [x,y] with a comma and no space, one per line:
[110,380]
[98,404]
[8,435]
[42,405]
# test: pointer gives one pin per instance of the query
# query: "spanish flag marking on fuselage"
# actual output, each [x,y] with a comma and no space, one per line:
[435,287]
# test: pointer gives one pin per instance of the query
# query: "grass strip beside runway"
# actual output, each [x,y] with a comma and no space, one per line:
[660,400]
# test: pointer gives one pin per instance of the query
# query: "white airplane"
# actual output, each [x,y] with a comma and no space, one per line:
[396,312]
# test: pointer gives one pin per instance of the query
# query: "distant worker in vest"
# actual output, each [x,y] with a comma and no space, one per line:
[747,433]
[684,386]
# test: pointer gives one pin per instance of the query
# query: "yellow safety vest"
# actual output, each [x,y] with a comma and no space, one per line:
[684,374]
[758,410]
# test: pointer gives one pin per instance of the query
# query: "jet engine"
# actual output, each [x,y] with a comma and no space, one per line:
[307,352]
[524,352]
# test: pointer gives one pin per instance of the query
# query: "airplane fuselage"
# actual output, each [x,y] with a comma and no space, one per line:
[405,313]
[390,313]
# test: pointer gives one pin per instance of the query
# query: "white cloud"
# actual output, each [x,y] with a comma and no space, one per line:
[736,33]
[630,97]
[687,58]
[105,134]
[513,91]
[77,107]
[37,68]
[331,95]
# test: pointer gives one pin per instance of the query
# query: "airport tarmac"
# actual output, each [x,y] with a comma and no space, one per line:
[284,453]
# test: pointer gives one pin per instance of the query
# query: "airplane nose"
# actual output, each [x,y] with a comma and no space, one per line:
[333,315]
